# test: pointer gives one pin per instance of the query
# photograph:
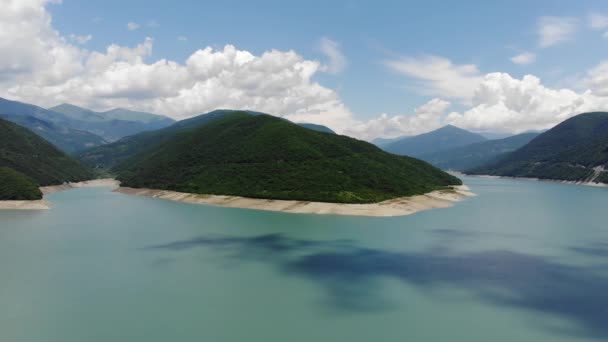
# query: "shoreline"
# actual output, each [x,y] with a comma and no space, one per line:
[43,204]
[579,183]
[395,207]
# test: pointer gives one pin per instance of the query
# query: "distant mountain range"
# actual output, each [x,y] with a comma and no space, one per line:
[27,158]
[574,150]
[445,138]
[261,156]
[473,155]
[73,129]
[49,125]
[108,156]
[114,124]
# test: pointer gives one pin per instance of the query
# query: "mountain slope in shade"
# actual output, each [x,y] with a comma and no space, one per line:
[474,155]
[108,156]
[114,124]
[15,186]
[266,157]
[444,138]
[29,154]
[54,127]
[574,150]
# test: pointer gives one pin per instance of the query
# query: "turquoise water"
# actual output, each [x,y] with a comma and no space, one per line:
[523,261]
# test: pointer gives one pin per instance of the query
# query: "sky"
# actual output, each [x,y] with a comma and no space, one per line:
[367,69]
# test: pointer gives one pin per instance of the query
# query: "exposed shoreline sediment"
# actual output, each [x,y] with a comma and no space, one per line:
[394,207]
[43,204]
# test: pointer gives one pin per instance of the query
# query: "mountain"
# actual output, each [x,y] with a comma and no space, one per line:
[381,142]
[114,124]
[476,154]
[17,186]
[108,156]
[266,157]
[49,125]
[25,152]
[444,138]
[574,150]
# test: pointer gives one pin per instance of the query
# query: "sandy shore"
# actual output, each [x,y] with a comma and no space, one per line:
[46,190]
[395,207]
[594,184]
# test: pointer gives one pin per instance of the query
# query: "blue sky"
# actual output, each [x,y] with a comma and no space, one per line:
[405,60]
[485,33]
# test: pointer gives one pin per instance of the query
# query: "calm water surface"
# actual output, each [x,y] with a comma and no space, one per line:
[523,261]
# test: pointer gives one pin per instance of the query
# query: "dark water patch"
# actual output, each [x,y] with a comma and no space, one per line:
[352,275]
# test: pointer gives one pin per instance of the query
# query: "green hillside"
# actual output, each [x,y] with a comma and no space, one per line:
[574,150]
[477,154]
[110,155]
[16,186]
[444,138]
[29,154]
[266,157]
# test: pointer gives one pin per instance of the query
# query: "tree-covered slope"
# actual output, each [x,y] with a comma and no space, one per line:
[29,154]
[477,154]
[444,138]
[110,155]
[569,151]
[17,186]
[54,127]
[266,157]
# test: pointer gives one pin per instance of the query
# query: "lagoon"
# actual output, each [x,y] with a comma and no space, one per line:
[523,261]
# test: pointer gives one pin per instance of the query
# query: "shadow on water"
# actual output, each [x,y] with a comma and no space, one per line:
[351,275]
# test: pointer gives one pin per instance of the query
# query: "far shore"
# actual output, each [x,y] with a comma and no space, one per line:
[47,190]
[394,207]
[594,184]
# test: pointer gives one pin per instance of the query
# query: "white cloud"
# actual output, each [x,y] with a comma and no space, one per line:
[80,39]
[44,68]
[132,26]
[182,38]
[500,103]
[555,30]
[438,76]
[425,118]
[598,21]
[524,58]
[337,60]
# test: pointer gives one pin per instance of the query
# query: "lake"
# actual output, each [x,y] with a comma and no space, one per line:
[523,261]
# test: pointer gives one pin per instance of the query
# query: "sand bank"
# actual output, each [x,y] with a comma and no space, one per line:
[395,207]
[583,183]
[46,190]
[106,182]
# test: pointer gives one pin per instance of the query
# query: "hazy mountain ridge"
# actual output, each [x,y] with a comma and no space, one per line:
[444,138]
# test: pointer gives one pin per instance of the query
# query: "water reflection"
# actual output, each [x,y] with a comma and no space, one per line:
[351,273]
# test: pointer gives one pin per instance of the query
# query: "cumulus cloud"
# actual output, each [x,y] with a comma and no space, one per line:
[45,68]
[598,21]
[337,60]
[80,39]
[425,118]
[499,103]
[438,76]
[132,26]
[555,30]
[524,58]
